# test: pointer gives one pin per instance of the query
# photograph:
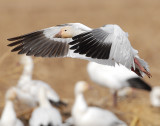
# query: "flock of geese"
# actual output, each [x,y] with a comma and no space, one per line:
[114,64]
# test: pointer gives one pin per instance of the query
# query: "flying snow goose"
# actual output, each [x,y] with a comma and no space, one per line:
[45,114]
[115,78]
[83,115]
[155,96]
[105,45]
[8,117]
[27,88]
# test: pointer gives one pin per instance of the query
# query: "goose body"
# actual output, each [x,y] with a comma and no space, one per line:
[105,45]
[83,115]
[115,78]
[8,117]
[45,114]
[27,88]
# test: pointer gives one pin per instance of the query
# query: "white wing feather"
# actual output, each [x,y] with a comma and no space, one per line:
[121,50]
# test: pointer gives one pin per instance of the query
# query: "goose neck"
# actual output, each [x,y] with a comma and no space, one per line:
[8,112]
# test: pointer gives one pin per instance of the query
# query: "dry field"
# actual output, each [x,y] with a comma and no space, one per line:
[140,18]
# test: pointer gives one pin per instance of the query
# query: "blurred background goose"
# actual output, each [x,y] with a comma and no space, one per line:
[8,117]
[115,78]
[45,114]
[83,115]
[27,88]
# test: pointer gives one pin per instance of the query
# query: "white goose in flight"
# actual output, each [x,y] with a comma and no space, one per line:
[105,45]
[84,115]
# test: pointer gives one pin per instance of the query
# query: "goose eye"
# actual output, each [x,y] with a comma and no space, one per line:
[65,30]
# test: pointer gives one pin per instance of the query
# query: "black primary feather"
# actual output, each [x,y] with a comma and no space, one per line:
[139,84]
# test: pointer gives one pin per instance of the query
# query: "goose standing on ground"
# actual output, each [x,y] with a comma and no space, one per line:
[45,114]
[115,78]
[105,45]
[27,89]
[83,115]
[155,96]
[8,117]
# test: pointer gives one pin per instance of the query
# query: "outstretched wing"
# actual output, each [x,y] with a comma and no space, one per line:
[108,42]
[45,43]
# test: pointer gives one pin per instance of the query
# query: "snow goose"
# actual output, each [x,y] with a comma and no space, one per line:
[27,90]
[155,96]
[105,45]
[83,115]
[115,78]
[45,114]
[8,117]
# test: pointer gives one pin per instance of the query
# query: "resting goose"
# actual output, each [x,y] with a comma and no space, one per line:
[115,78]
[8,117]
[27,88]
[105,45]
[45,114]
[83,115]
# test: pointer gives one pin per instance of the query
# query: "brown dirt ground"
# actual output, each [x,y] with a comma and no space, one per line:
[140,18]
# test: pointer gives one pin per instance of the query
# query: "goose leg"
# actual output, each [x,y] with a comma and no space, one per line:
[115,98]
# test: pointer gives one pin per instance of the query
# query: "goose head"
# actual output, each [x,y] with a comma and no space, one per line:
[81,87]
[11,94]
[68,32]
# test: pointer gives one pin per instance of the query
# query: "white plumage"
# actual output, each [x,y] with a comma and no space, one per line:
[155,96]
[8,117]
[45,114]
[105,45]
[27,89]
[83,115]
[69,122]
[115,78]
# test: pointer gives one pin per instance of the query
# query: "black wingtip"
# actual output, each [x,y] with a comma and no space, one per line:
[25,35]
[14,38]
[74,47]
[139,84]
[10,39]
[81,35]
[17,48]
[58,104]
[15,43]
[73,42]
[9,44]
[62,103]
